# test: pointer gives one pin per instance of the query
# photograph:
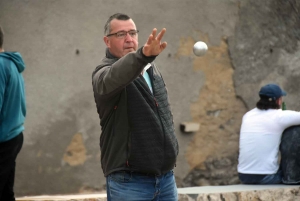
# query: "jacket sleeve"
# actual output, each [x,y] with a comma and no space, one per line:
[111,79]
[3,81]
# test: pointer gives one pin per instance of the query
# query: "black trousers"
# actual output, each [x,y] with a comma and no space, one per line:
[8,154]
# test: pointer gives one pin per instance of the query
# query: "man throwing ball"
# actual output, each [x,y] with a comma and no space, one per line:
[138,143]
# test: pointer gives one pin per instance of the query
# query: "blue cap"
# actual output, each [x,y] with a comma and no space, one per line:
[272,91]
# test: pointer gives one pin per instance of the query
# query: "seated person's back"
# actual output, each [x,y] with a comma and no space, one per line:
[260,137]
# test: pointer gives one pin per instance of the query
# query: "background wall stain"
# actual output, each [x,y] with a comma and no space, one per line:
[76,152]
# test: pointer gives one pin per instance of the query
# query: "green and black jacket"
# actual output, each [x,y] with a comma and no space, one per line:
[137,126]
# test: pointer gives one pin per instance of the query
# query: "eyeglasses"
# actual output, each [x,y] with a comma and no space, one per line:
[123,34]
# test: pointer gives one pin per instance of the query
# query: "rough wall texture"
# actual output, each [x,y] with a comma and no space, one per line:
[213,151]
[265,48]
[250,43]
[285,194]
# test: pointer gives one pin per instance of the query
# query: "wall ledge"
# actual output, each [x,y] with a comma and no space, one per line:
[239,192]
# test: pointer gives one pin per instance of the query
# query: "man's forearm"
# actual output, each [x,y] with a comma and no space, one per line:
[113,78]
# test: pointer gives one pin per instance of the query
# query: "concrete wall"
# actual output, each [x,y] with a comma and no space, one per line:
[265,48]
[61,42]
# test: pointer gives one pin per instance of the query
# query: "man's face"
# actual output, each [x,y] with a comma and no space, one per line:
[119,47]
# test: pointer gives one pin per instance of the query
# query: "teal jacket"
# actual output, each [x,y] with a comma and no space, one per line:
[12,95]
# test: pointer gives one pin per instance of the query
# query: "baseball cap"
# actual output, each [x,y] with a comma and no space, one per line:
[272,91]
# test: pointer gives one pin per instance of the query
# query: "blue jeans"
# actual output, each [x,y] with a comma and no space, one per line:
[261,179]
[132,186]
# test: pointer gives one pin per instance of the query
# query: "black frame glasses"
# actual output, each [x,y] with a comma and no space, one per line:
[123,34]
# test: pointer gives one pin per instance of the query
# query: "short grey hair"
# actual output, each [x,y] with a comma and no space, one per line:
[118,16]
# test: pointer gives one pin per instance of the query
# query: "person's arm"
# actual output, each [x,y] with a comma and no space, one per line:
[111,79]
[289,118]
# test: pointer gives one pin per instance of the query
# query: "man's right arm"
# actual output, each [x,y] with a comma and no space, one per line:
[111,79]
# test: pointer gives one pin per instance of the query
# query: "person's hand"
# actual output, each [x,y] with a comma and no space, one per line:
[154,46]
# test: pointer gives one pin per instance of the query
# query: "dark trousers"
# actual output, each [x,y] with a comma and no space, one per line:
[261,179]
[8,154]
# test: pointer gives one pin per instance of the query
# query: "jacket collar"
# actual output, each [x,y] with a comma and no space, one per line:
[110,55]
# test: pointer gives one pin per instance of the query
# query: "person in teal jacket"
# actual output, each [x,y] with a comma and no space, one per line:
[12,117]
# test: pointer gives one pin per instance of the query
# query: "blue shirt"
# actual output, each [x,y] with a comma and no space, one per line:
[147,78]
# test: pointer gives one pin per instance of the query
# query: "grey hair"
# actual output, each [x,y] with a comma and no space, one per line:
[118,16]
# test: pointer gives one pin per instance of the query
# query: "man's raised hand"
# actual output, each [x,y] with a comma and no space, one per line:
[154,46]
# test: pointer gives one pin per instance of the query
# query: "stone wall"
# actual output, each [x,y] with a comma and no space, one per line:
[208,193]
[265,48]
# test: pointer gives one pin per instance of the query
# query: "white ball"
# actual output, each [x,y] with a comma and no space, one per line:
[200,48]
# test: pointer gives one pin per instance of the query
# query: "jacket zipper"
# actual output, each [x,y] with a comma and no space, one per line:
[156,103]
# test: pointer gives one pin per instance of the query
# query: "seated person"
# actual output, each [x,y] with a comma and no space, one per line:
[260,137]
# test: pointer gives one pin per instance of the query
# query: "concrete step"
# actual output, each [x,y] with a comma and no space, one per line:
[204,193]
[81,197]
